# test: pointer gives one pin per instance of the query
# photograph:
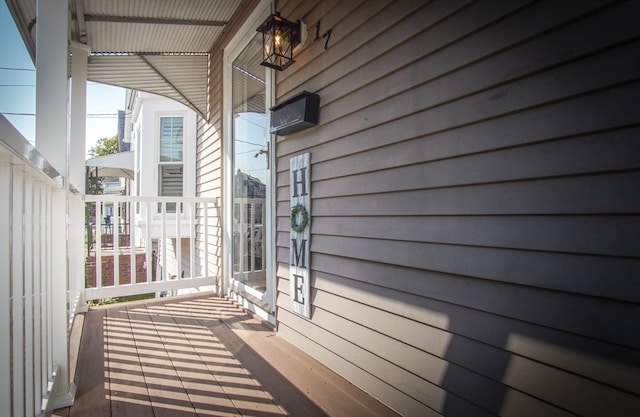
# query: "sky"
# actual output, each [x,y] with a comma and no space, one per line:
[18,90]
[250,131]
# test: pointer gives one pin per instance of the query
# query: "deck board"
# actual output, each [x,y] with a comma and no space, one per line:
[92,383]
[200,356]
[129,392]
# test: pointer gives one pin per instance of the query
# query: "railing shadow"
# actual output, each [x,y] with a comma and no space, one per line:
[177,357]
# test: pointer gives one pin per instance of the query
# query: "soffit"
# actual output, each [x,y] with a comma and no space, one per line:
[179,77]
[113,165]
[155,46]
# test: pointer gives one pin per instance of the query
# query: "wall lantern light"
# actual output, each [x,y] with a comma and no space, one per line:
[279,37]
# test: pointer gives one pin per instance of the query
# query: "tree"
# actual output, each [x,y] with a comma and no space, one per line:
[105,146]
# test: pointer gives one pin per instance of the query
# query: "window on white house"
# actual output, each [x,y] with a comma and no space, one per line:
[171,139]
[170,175]
[171,180]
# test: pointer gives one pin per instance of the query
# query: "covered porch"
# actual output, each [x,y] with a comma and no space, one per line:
[198,356]
[46,213]
[469,246]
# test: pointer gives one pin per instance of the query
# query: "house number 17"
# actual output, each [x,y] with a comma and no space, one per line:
[327,35]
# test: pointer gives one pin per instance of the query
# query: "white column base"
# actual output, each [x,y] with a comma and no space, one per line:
[53,401]
[65,400]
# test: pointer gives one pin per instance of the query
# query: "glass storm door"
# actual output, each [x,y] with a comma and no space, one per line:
[251,176]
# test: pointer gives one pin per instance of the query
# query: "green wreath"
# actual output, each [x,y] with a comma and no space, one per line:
[304,220]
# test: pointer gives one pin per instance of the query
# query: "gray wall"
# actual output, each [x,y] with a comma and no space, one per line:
[475,232]
[209,184]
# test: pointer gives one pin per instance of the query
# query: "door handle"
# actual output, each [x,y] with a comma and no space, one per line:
[264,151]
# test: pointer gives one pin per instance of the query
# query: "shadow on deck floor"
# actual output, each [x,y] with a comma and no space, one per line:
[201,356]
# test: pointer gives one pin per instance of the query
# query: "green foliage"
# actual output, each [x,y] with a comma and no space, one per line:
[105,146]
[94,185]
[115,300]
[102,301]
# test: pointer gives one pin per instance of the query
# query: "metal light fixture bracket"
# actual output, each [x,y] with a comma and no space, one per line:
[279,37]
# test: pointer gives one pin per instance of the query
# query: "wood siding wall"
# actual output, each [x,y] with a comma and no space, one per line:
[475,203]
[209,168]
[209,184]
[209,152]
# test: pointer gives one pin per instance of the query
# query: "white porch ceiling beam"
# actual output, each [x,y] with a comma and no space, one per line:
[150,20]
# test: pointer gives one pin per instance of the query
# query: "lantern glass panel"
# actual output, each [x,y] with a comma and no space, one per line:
[277,36]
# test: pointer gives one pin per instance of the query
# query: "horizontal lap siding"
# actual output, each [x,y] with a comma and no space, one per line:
[209,151]
[209,178]
[208,184]
[475,244]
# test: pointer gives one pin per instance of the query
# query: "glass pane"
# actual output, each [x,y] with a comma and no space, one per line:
[171,131]
[171,183]
[250,166]
[171,180]
[17,78]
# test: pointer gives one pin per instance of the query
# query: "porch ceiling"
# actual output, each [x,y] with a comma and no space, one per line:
[158,47]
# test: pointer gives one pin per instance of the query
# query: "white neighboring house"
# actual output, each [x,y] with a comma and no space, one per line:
[116,169]
[114,185]
[162,133]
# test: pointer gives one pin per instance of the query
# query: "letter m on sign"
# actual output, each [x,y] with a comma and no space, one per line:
[299,242]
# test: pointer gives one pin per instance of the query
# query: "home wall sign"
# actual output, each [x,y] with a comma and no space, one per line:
[295,114]
[299,258]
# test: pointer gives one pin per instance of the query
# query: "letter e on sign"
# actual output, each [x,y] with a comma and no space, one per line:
[299,242]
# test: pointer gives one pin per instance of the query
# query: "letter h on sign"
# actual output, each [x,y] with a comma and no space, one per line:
[300,185]
[299,177]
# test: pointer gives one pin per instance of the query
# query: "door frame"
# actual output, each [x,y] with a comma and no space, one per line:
[231,51]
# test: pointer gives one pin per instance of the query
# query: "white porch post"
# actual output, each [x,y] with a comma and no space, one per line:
[77,147]
[52,57]
[5,286]
[77,151]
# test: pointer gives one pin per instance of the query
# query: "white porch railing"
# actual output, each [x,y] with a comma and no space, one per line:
[34,372]
[139,245]
[43,252]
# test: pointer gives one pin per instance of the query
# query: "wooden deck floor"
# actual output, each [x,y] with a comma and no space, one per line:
[200,356]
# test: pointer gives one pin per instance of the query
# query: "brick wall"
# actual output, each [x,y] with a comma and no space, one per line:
[107,240]
[107,270]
